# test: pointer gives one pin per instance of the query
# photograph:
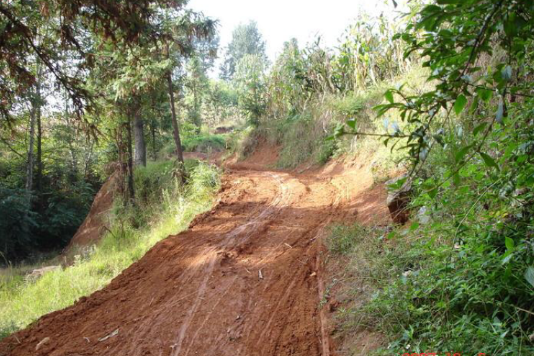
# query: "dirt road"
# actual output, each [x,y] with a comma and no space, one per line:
[245,279]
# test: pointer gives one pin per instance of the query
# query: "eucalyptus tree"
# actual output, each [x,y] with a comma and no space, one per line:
[183,32]
[246,40]
[250,84]
[196,83]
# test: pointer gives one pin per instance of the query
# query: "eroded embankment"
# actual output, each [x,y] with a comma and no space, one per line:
[245,279]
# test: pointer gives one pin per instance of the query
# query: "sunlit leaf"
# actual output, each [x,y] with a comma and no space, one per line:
[510,244]
[459,105]
[389,96]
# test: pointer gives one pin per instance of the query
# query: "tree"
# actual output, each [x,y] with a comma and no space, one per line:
[196,83]
[246,40]
[139,138]
[249,81]
[123,23]
[179,45]
[109,69]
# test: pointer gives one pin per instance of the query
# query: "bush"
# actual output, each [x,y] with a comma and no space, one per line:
[204,143]
[16,223]
[464,282]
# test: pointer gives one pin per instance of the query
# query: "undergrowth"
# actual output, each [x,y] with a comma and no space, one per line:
[205,143]
[304,135]
[165,207]
[460,277]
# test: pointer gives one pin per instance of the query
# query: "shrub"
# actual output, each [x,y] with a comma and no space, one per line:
[204,143]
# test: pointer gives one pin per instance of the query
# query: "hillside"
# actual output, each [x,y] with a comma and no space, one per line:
[267,178]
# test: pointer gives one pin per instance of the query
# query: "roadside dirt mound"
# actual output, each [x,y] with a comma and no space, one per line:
[245,279]
[264,157]
[92,228]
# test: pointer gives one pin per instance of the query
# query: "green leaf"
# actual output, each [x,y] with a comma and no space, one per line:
[389,96]
[507,257]
[479,128]
[398,184]
[522,159]
[510,244]
[529,275]
[433,193]
[459,105]
[414,226]
[351,123]
[484,94]
[490,162]
[456,179]
[449,2]
[461,154]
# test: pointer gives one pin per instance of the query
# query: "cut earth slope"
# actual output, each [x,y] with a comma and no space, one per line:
[245,279]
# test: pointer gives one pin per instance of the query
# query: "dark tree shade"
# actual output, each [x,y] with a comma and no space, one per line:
[49,29]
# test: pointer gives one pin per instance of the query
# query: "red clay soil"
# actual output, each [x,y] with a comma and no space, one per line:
[245,279]
[92,228]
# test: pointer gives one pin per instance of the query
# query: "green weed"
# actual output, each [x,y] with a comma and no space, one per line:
[204,143]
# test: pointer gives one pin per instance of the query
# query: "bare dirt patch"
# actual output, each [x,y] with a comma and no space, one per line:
[247,278]
[93,227]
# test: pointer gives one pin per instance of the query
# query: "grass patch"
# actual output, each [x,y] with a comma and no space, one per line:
[423,295]
[165,208]
[242,142]
[204,143]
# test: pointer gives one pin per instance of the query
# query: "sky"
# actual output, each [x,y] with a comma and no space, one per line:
[281,20]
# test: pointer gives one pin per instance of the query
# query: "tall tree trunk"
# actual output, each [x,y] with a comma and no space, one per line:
[153,131]
[38,103]
[130,167]
[39,175]
[30,157]
[121,150]
[139,138]
[176,128]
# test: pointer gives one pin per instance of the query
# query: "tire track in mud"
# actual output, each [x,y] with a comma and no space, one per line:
[192,271]
[244,280]
[243,229]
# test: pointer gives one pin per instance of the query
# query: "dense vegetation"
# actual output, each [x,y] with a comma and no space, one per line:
[81,85]
[444,93]
[165,207]
[459,279]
